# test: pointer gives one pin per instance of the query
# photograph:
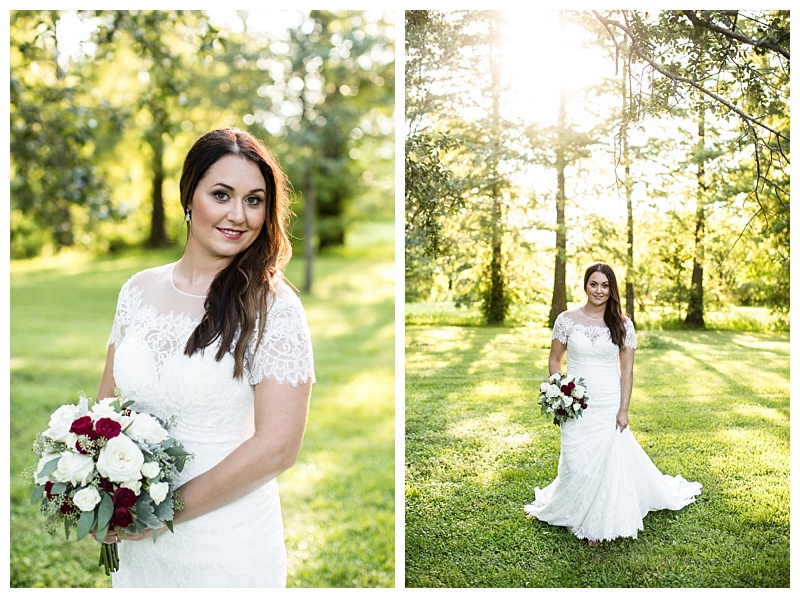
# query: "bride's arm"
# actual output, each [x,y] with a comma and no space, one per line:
[107,383]
[557,352]
[626,385]
[281,411]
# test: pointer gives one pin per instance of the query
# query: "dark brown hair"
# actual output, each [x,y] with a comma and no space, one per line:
[613,317]
[237,297]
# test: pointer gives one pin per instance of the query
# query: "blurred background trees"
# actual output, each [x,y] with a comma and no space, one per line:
[655,141]
[105,104]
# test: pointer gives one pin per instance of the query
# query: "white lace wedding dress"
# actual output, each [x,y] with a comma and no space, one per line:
[242,543]
[606,484]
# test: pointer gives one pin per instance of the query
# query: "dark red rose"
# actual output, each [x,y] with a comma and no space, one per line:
[567,390]
[121,517]
[82,425]
[561,411]
[48,486]
[124,497]
[107,428]
[571,385]
[106,486]
[67,507]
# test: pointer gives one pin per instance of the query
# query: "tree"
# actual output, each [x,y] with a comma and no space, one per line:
[53,126]
[167,44]
[737,60]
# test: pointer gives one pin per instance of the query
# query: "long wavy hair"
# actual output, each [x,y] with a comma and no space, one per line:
[613,317]
[237,299]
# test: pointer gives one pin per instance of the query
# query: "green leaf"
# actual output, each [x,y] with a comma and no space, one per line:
[37,494]
[58,488]
[49,467]
[85,524]
[105,510]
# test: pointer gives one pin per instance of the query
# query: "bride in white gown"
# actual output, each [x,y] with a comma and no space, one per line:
[606,484]
[219,340]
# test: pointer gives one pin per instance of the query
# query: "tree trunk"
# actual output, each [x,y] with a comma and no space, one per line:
[559,302]
[158,234]
[309,220]
[495,303]
[626,160]
[694,312]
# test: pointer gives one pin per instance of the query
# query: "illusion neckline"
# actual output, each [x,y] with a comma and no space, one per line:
[177,290]
[583,313]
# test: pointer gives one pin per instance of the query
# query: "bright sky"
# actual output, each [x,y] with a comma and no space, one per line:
[538,58]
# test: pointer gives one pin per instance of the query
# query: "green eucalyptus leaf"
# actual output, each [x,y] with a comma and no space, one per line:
[85,524]
[105,510]
[37,494]
[49,467]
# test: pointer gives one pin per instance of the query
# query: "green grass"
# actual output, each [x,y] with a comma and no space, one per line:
[712,406]
[338,500]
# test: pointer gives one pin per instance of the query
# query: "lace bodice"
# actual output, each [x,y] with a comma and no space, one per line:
[213,415]
[592,329]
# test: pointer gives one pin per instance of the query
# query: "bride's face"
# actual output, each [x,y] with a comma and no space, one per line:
[228,208]
[598,289]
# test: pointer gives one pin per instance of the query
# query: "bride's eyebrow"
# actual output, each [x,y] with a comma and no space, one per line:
[229,188]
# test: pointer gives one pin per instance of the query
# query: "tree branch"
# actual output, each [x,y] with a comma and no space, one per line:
[760,43]
[607,23]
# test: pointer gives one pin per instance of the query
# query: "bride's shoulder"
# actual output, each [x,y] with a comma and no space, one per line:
[571,314]
[150,275]
[148,279]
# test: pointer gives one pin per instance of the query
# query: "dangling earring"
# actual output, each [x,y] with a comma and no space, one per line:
[188,216]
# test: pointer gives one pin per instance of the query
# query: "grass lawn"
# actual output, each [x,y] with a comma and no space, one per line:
[712,406]
[338,501]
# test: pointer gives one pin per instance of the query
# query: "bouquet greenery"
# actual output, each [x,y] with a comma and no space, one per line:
[106,468]
[563,397]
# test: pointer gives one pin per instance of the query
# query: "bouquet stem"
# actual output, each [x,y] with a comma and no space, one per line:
[109,557]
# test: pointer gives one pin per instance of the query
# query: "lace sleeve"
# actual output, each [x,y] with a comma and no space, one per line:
[562,328]
[630,334]
[130,296]
[285,352]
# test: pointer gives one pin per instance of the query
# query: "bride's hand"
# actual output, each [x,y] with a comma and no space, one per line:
[111,537]
[622,420]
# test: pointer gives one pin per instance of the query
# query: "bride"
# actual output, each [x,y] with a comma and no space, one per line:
[220,341]
[606,484]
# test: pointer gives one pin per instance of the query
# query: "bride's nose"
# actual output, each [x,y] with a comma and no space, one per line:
[236,211]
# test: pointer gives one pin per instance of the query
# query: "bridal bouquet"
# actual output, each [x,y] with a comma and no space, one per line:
[105,468]
[563,397]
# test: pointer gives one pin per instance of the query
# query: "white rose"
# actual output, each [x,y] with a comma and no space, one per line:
[120,460]
[544,387]
[135,485]
[86,499]
[60,423]
[555,377]
[104,409]
[146,429]
[553,391]
[578,391]
[567,401]
[150,469]
[568,379]
[74,468]
[576,406]
[159,492]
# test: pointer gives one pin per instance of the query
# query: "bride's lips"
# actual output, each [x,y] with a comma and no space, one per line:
[230,233]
